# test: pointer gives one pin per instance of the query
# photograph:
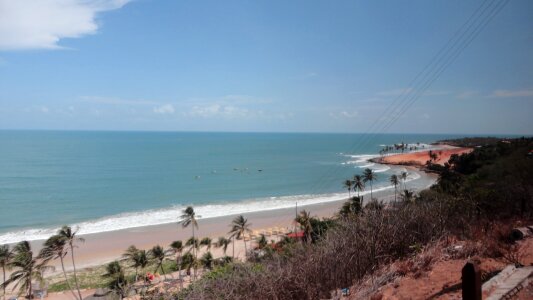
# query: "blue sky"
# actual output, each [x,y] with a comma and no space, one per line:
[297,66]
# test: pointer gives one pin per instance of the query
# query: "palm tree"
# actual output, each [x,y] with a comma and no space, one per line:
[240,227]
[158,255]
[138,259]
[206,242]
[118,282]
[188,262]
[188,217]
[348,185]
[346,209]
[407,196]
[66,233]
[177,246]
[224,243]
[6,255]
[207,260]
[369,175]
[193,243]
[432,156]
[130,253]
[353,206]
[262,241]
[394,181]
[304,219]
[403,176]
[27,267]
[358,184]
[225,260]
[56,247]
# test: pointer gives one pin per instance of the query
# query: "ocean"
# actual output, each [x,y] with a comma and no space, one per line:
[103,181]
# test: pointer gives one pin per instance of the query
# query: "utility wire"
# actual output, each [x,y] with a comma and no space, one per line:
[429,74]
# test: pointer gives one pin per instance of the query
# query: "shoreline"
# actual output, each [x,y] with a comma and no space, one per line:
[104,247]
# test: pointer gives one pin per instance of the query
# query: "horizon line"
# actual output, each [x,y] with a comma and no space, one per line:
[265,132]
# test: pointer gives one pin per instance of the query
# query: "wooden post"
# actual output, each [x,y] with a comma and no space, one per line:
[471,282]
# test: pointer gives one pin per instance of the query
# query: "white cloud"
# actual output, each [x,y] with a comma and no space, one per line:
[231,99]
[45,109]
[344,114]
[349,114]
[511,93]
[164,109]
[218,110]
[41,24]
[466,95]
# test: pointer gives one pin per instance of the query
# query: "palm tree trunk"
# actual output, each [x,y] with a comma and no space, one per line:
[30,291]
[179,272]
[194,243]
[194,251]
[4,280]
[233,246]
[371,196]
[74,267]
[163,271]
[66,279]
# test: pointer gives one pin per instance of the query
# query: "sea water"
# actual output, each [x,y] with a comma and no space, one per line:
[102,181]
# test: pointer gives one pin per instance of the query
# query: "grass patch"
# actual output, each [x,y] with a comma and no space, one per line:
[92,278]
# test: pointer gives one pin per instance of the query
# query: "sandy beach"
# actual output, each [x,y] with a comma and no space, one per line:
[420,158]
[104,247]
[101,248]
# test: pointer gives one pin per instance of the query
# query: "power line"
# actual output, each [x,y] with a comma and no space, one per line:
[429,74]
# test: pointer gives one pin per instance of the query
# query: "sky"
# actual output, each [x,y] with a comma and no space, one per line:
[261,66]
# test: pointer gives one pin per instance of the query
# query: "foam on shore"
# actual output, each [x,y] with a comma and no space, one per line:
[170,214]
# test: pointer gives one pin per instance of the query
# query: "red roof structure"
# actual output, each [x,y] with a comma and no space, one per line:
[299,234]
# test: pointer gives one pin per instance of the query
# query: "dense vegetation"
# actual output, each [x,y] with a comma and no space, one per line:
[495,180]
[471,141]
[491,183]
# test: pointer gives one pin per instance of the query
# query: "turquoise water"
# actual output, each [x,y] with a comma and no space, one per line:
[99,180]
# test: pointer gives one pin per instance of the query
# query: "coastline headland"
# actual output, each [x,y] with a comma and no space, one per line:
[420,158]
